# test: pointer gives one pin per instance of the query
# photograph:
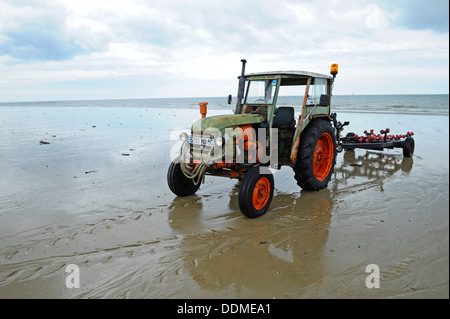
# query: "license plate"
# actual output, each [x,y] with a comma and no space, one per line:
[202,141]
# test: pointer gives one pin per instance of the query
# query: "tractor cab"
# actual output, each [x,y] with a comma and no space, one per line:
[280,96]
[285,99]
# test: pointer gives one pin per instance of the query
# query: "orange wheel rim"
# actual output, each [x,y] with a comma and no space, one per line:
[261,193]
[323,156]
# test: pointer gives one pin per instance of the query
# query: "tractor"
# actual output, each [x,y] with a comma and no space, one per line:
[280,119]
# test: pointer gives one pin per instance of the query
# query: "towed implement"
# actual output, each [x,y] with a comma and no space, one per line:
[378,142]
[269,130]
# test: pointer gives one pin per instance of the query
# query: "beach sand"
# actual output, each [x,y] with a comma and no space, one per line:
[87,186]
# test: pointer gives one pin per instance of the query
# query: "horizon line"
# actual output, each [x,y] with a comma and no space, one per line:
[199,97]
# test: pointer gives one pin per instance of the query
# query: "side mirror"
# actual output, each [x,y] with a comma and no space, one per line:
[229,99]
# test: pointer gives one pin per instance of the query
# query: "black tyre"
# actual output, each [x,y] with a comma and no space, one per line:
[179,184]
[408,147]
[316,156]
[256,192]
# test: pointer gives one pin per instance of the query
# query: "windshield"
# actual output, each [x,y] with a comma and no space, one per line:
[260,91]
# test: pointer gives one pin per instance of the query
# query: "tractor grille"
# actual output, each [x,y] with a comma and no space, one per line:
[197,151]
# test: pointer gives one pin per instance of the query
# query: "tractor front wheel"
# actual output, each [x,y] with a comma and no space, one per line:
[178,183]
[316,156]
[256,192]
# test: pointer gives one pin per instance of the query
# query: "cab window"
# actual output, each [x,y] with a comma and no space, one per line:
[260,91]
[318,88]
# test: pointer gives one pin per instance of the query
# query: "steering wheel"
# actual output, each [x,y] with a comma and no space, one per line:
[260,100]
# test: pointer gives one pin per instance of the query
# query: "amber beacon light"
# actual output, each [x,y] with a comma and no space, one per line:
[334,69]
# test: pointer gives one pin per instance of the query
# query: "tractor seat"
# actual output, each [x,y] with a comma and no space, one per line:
[284,118]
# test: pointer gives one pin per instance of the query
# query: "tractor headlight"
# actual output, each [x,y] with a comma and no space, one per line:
[219,141]
[183,137]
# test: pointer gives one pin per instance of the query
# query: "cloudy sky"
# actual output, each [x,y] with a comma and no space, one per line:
[107,49]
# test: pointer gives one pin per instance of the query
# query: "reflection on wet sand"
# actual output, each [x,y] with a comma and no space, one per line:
[266,257]
[372,164]
[372,168]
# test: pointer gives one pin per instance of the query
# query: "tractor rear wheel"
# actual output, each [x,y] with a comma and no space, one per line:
[316,156]
[256,192]
[178,183]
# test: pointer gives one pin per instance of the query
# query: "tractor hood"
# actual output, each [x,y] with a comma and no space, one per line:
[220,122]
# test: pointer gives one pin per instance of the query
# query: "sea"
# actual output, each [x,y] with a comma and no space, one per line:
[417,104]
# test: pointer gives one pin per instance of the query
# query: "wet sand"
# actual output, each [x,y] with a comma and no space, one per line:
[96,196]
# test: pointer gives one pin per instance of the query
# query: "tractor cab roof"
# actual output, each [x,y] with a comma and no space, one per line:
[287,77]
[289,74]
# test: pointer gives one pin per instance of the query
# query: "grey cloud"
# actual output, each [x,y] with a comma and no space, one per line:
[422,14]
[34,44]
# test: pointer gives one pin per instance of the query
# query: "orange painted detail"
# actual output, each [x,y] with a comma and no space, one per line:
[229,171]
[203,109]
[248,140]
[298,129]
[323,156]
[261,193]
[221,165]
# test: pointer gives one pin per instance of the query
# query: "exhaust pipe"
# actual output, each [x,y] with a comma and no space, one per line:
[241,87]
